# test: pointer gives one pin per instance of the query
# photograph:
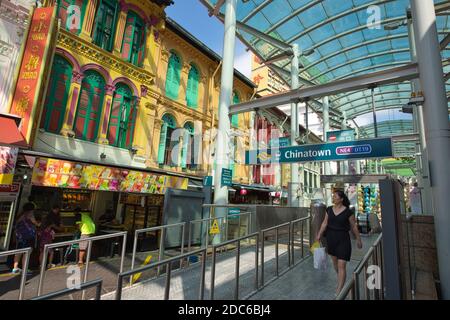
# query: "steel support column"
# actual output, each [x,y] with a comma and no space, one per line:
[326,128]
[293,192]
[437,132]
[344,164]
[226,89]
[423,175]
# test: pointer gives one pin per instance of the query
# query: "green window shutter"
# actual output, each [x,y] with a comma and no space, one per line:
[122,118]
[127,43]
[90,105]
[235,117]
[192,88]
[173,76]
[57,95]
[133,45]
[130,124]
[105,23]
[162,143]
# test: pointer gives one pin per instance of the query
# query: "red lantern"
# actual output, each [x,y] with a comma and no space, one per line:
[243,192]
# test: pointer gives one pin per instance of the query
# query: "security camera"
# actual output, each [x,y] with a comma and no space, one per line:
[103,156]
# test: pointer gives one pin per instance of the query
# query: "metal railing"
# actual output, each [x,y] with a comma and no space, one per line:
[27,253]
[238,259]
[202,221]
[263,232]
[88,255]
[162,239]
[95,283]
[224,224]
[168,263]
[352,287]
[302,241]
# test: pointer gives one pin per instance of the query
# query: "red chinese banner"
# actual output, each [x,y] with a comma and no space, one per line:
[31,70]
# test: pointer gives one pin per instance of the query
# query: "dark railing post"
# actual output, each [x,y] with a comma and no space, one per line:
[213,272]
[262,259]
[256,263]
[276,250]
[238,253]
[202,279]
[168,274]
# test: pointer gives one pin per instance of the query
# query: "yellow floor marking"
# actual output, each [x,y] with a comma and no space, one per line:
[138,275]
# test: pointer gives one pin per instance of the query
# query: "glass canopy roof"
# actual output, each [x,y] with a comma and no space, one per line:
[337,42]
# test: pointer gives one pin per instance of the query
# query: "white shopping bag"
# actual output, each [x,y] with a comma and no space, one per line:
[320,259]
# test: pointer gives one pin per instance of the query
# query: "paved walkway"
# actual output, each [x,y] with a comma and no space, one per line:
[303,282]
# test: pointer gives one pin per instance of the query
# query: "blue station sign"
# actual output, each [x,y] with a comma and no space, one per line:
[336,151]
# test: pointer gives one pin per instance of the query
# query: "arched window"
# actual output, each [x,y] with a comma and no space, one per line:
[165,142]
[188,151]
[105,24]
[123,117]
[89,106]
[67,12]
[173,76]
[235,117]
[192,87]
[57,94]
[133,45]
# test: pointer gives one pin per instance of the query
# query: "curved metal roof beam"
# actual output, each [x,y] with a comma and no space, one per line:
[369,105]
[363,112]
[337,17]
[378,54]
[359,45]
[342,34]
[256,11]
[376,94]
[354,72]
[365,90]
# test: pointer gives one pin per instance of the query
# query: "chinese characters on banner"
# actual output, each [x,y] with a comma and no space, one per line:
[73,175]
[31,70]
[8,158]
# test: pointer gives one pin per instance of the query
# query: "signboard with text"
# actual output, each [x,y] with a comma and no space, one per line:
[73,175]
[337,151]
[341,135]
[227,177]
[32,68]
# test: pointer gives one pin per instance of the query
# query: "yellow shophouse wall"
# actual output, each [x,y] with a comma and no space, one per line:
[147,83]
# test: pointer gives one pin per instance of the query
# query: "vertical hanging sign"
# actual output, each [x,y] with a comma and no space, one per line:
[32,69]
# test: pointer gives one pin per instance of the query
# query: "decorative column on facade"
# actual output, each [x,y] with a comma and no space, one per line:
[106,111]
[150,152]
[183,83]
[202,91]
[72,104]
[120,31]
[88,24]
[156,135]
[139,134]
[161,70]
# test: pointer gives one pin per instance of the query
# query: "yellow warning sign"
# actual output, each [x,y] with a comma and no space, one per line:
[138,275]
[215,228]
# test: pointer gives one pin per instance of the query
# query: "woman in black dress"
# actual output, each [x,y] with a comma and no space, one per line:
[338,221]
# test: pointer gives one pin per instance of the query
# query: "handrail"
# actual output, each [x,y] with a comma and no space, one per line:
[95,283]
[238,259]
[167,262]
[162,238]
[88,256]
[25,263]
[353,285]
[293,222]
[276,228]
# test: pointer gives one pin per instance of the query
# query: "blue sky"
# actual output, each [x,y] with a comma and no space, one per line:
[193,16]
